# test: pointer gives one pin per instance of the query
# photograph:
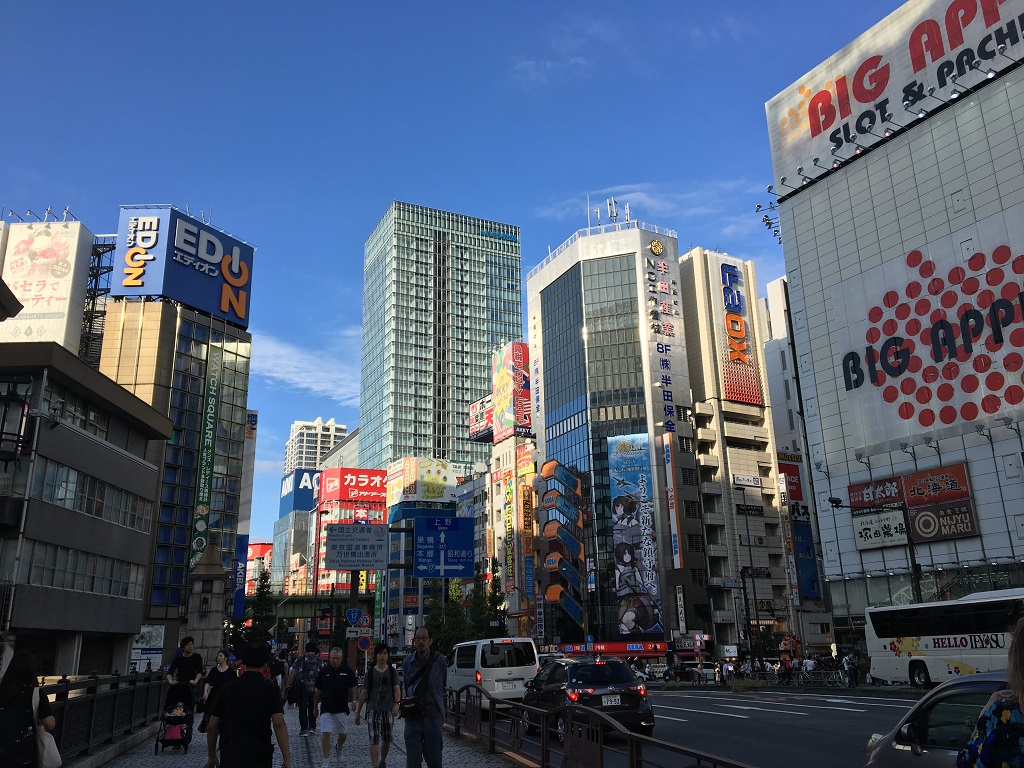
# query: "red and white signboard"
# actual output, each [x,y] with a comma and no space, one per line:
[918,55]
[345,484]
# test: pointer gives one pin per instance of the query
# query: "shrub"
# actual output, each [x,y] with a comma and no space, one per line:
[746,684]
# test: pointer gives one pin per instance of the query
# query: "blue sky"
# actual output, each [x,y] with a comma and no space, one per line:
[297,124]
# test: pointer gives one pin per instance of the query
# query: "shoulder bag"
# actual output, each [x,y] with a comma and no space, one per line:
[47,755]
[411,705]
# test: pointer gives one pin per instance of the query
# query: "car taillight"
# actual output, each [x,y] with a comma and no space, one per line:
[639,688]
[479,677]
[574,693]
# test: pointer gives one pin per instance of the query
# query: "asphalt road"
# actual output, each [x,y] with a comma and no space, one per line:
[767,728]
[776,728]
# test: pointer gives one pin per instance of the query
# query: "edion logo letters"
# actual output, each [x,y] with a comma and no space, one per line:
[942,337]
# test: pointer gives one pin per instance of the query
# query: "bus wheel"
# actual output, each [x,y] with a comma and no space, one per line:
[919,675]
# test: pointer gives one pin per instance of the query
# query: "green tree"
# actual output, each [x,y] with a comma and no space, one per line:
[456,628]
[263,610]
[434,620]
[478,619]
[497,613]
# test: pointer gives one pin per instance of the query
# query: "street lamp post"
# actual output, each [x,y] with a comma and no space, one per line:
[901,506]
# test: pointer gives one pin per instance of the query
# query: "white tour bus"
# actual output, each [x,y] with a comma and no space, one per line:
[933,642]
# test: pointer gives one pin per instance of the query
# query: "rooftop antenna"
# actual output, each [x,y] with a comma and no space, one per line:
[187,211]
[627,213]
[588,210]
[67,212]
[598,212]
[613,210]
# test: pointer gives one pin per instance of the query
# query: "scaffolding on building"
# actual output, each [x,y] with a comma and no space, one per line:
[101,264]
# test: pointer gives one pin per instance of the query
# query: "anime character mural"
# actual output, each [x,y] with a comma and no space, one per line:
[634,537]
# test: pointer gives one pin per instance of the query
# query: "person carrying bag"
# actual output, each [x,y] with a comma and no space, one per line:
[411,706]
[47,754]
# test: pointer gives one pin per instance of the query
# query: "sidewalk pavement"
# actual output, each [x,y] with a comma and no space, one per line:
[306,750]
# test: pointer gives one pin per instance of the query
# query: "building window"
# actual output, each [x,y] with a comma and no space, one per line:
[699,576]
[694,542]
[691,509]
[688,476]
[785,386]
[792,423]
[782,358]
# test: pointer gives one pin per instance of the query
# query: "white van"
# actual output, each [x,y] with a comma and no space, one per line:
[501,666]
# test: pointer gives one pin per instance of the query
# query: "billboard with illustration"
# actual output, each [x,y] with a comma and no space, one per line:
[634,535]
[46,266]
[510,376]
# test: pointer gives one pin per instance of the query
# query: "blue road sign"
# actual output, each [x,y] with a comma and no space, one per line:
[443,548]
[353,615]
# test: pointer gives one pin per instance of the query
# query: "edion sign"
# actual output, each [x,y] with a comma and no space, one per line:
[916,57]
[163,252]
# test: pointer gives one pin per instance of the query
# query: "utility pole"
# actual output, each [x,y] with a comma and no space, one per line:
[746,614]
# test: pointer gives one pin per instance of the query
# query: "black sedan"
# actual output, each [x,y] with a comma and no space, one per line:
[607,686]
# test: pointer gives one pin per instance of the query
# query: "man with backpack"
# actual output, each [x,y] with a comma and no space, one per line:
[381,694]
[305,671]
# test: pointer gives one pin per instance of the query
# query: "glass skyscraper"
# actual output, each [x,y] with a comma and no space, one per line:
[440,292]
[608,367]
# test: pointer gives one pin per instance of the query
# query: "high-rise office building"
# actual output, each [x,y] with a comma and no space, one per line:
[310,442]
[175,337]
[440,292]
[611,398]
[744,536]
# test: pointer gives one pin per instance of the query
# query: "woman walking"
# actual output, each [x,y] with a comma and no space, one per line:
[215,679]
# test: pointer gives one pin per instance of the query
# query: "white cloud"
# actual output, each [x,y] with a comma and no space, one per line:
[687,200]
[717,214]
[330,369]
[268,467]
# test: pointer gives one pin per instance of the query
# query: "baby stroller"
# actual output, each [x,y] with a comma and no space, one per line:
[176,719]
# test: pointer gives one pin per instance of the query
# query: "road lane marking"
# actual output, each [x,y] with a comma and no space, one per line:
[674,719]
[862,700]
[762,709]
[704,712]
[776,703]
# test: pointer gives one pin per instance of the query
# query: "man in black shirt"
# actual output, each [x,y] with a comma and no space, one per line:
[187,668]
[243,712]
[335,689]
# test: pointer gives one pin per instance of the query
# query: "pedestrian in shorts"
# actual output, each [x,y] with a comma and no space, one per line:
[381,694]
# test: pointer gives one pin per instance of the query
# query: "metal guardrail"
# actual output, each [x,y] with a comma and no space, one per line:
[94,710]
[571,736]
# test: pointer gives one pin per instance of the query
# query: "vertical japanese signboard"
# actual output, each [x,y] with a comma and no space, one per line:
[634,537]
[207,445]
[509,511]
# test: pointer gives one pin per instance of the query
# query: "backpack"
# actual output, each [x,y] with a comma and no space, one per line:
[310,670]
[17,732]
